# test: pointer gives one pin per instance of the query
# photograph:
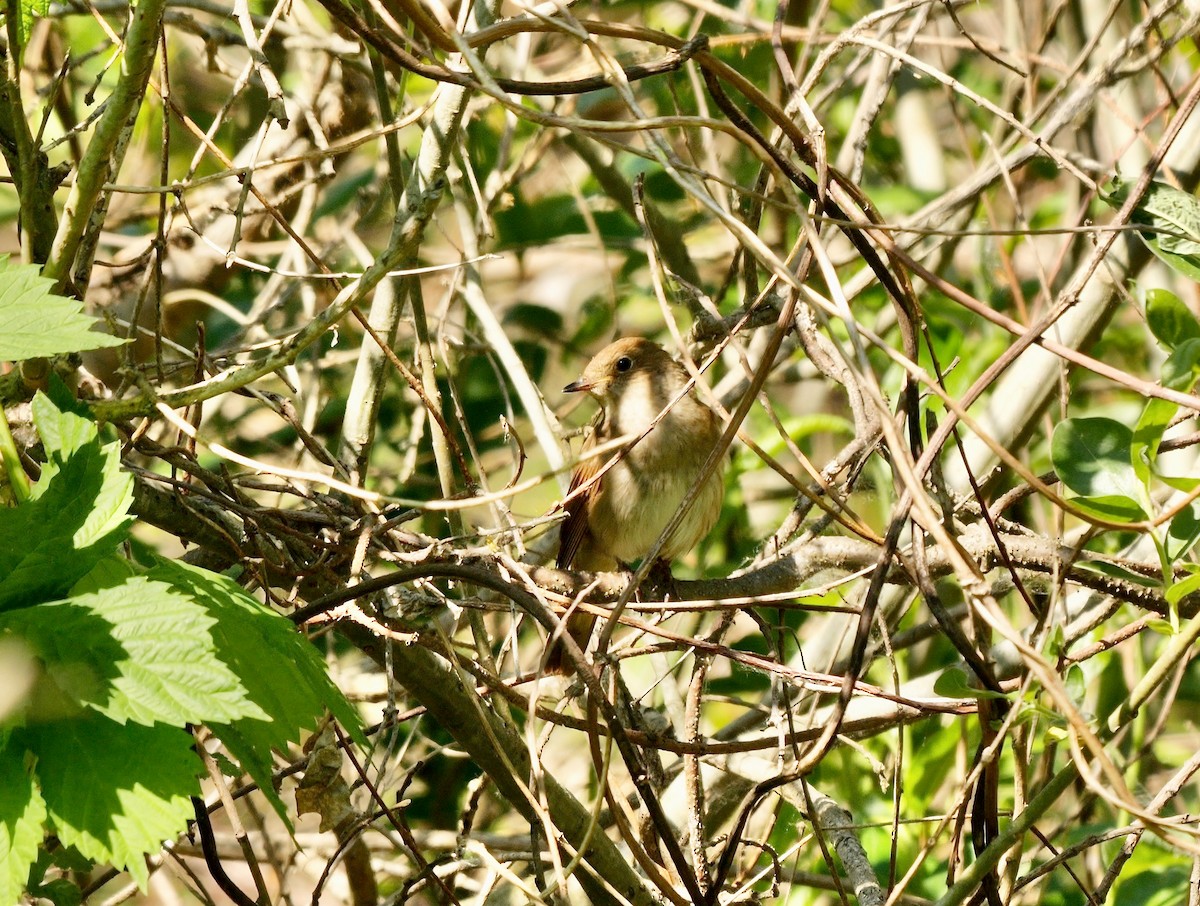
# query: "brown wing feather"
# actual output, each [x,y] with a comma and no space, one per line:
[575,526]
[575,541]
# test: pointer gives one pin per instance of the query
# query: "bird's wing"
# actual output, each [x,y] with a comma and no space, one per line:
[575,527]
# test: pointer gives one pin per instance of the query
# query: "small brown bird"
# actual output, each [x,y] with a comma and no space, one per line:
[620,517]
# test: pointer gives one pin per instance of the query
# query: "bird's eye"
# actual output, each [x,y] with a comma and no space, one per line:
[624,363]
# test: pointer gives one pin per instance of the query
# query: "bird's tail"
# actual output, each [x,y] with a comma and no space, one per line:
[579,628]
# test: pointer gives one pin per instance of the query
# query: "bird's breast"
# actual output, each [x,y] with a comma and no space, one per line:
[640,494]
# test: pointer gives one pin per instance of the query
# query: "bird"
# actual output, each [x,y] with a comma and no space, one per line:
[617,519]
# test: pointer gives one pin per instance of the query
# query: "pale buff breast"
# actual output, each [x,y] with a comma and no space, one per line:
[641,493]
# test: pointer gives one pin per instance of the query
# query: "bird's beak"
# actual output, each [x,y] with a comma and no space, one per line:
[579,385]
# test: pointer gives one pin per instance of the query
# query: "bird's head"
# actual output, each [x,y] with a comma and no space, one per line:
[628,363]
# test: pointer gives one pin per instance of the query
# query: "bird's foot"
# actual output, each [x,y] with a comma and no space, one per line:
[660,582]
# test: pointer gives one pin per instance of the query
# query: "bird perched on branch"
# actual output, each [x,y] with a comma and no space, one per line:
[616,518]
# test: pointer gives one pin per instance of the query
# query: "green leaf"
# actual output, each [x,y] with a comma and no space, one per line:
[137,651]
[539,221]
[115,792]
[538,319]
[1147,435]
[1110,508]
[1181,589]
[1093,458]
[1174,220]
[126,662]
[1075,683]
[35,322]
[1180,483]
[1183,531]
[108,572]
[954,683]
[59,891]
[1162,627]
[818,423]
[1104,568]
[62,430]
[1165,883]
[29,10]
[22,815]
[1182,367]
[1188,265]
[939,747]
[1169,319]
[595,321]
[76,516]
[292,686]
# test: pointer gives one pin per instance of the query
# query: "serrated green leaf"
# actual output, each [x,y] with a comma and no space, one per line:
[30,10]
[62,430]
[1092,457]
[68,858]
[225,765]
[1169,319]
[108,572]
[138,651]
[76,515]
[292,686]
[114,791]
[293,695]
[22,816]
[35,322]
[59,891]
[172,672]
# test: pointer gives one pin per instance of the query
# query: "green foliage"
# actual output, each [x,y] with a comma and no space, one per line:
[98,751]
[76,516]
[138,650]
[954,683]
[1113,471]
[1154,878]
[35,322]
[202,209]
[1092,457]
[530,223]
[113,791]
[1171,322]
[29,10]
[288,696]
[1112,468]
[1174,221]
[22,815]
